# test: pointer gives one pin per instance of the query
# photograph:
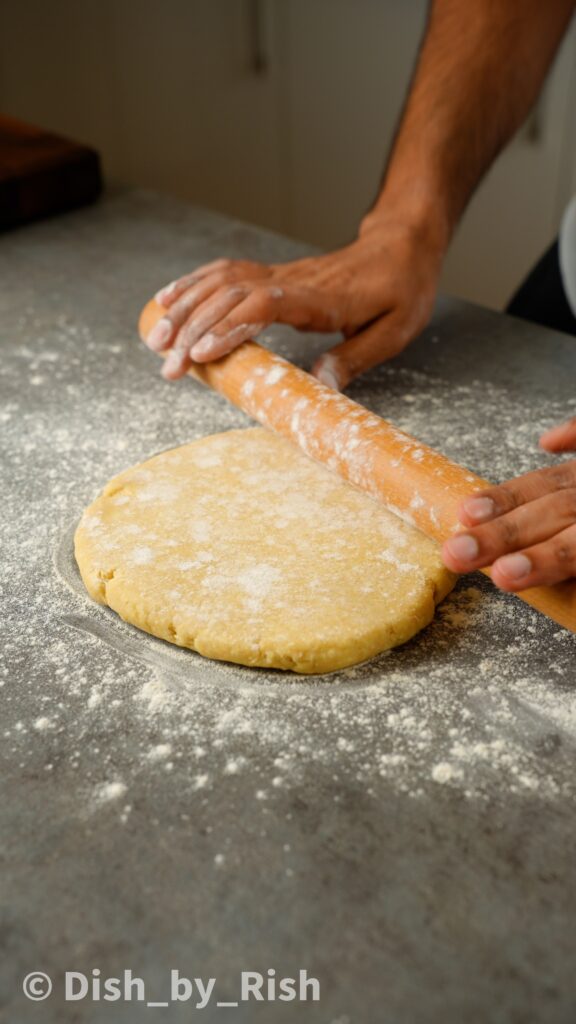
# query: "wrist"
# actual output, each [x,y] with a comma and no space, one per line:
[414,210]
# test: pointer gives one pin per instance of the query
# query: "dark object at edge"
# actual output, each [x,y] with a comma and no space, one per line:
[43,174]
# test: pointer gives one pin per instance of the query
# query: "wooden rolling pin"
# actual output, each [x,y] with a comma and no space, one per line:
[419,484]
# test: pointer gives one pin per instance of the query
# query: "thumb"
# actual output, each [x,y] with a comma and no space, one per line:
[378,342]
[561,438]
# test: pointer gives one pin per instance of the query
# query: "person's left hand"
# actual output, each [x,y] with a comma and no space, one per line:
[524,529]
[378,292]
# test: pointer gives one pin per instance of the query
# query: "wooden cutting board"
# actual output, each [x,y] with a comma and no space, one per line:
[43,174]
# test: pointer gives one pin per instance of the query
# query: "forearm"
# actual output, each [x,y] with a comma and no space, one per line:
[481,66]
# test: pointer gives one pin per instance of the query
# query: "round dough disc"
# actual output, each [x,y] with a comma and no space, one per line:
[243,549]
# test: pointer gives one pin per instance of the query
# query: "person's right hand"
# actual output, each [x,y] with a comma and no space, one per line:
[378,291]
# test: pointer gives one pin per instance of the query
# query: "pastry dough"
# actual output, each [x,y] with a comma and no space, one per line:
[243,549]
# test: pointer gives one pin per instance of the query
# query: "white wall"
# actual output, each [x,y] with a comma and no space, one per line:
[168,93]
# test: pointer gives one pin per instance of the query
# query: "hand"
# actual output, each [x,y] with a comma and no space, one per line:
[526,528]
[379,292]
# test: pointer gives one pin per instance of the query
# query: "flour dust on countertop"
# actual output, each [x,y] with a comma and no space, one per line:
[482,702]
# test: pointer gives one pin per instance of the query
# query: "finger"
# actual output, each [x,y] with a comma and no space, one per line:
[541,565]
[221,346]
[211,313]
[169,293]
[165,331]
[179,361]
[523,527]
[496,501]
[561,438]
[208,314]
[328,371]
[230,269]
[376,343]
[262,306]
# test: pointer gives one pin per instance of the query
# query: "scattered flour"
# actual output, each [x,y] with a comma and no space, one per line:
[42,724]
[482,705]
[110,791]
[160,752]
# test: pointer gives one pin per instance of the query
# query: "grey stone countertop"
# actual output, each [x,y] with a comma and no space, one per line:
[403,831]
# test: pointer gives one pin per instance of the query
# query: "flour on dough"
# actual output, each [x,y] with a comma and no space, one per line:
[243,549]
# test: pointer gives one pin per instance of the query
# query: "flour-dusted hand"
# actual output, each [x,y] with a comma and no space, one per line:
[378,291]
[525,528]
[479,70]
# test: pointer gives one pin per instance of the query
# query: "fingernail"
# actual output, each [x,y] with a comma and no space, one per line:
[160,334]
[174,361]
[514,567]
[561,438]
[165,293]
[327,377]
[550,435]
[205,346]
[479,509]
[463,548]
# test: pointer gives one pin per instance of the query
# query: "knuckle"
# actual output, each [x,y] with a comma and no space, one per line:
[263,300]
[184,304]
[178,314]
[564,552]
[506,498]
[220,277]
[224,327]
[251,267]
[570,503]
[175,324]
[562,476]
[248,287]
[187,280]
[238,332]
[181,342]
[507,531]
